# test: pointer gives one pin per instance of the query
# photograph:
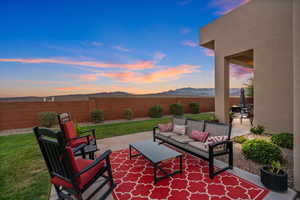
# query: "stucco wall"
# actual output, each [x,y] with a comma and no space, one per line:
[296,42]
[266,27]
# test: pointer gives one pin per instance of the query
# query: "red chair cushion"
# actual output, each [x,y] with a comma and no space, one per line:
[76,142]
[78,164]
[69,129]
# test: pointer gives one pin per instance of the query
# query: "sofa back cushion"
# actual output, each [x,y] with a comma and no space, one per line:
[194,125]
[179,129]
[199,135]
[217,129]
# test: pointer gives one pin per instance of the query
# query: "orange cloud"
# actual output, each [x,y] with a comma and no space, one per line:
[226,6]
[134,66]
[157,76]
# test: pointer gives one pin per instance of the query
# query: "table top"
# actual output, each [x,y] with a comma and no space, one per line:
[155,152]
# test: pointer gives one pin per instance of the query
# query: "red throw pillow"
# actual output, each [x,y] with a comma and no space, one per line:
[199,135]
[165,127]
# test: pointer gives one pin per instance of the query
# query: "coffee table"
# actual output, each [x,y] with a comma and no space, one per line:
[156,153]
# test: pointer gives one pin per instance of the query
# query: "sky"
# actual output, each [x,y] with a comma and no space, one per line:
[138,46]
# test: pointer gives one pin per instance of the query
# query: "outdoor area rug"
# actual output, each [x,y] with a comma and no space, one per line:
[134,180]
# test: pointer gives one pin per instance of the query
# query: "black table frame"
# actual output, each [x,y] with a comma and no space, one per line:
[156,165]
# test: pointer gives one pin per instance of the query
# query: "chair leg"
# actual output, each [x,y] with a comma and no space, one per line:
[112,184]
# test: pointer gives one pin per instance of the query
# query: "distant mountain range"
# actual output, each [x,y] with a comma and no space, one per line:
[188,91]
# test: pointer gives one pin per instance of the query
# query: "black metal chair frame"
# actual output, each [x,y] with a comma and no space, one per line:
[91,146]
[58,163]
[211,153]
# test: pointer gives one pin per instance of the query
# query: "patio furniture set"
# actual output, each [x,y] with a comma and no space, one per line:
[73,176]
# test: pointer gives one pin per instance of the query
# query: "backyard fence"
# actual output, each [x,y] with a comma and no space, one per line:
[15,115]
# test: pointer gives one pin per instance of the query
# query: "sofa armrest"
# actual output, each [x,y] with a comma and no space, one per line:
[214,145]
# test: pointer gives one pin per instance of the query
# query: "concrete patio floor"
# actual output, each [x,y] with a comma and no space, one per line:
[122,142]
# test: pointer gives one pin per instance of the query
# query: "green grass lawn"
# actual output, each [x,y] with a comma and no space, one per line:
[23,174]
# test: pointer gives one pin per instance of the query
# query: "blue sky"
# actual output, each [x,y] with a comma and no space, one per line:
[138,46]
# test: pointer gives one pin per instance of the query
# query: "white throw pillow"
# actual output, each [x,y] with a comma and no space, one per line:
[179,129]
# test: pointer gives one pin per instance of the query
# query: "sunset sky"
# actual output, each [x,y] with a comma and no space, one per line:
[137,46]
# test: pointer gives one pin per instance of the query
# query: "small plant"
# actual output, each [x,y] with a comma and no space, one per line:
[78,127]
[240,139]
[128,113]
[213,118]
[156,111]
[194,107]
[261,151]
[48,119]
[231,115]
[97,116]
[176,109]
[257,130]
[276,167]
[284,140]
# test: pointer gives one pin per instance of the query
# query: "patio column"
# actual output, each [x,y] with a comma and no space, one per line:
[221,87]
[296,58]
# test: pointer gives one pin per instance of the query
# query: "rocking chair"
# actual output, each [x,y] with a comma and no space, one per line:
[71,177]
[74,140]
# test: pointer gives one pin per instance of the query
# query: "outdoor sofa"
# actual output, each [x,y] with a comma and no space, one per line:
[206,151]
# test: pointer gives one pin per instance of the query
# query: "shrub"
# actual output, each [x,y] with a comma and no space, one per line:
[176,109]
[78,127]
[128,113]
[156,111]
[261,151]
[240,139]
[213,118]
[48,119]
[284,140]
[194,107]
[257,130]
[97,116]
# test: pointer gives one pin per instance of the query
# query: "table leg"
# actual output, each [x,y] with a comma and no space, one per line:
[130,152]
[154,172]
[180,158]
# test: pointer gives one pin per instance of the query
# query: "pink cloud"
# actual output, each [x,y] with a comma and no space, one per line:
[133,66]
[167,74]
[189,43]
[42,82]
[226,6]
[209,52]
[238,72]
[121,48]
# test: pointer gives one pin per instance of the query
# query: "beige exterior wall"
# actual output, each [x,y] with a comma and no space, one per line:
[266,27]
[296,41]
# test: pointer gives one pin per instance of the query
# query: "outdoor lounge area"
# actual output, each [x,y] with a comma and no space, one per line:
[168,143]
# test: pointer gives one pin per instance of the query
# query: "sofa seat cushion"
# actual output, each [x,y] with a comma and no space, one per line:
[182,138]
[199,145]
[167,134]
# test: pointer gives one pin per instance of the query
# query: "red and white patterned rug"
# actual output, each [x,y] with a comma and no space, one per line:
[134,180]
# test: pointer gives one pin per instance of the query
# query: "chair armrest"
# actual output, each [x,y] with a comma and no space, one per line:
[79,148]
[102,157]
[93,133]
